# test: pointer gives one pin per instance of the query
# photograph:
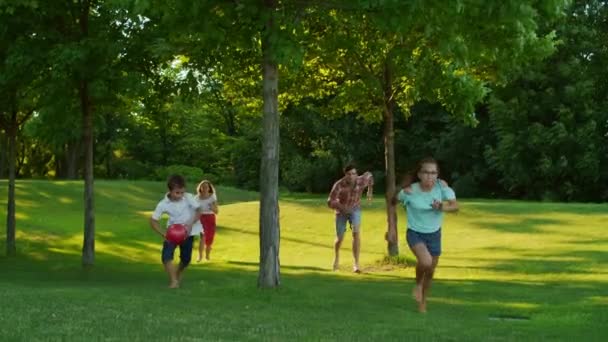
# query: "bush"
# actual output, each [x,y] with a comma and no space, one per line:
[296,174]
[131,169]
[465,186]
[192,174]
[213,178]
[326,172]
[380,181]
[245,157]
[315,175]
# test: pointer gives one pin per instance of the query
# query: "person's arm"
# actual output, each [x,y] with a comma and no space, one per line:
[155,225]
[399,196]
[155,219]
[333,201]
[214,207]
[447,206]
[451,206]
[368,178]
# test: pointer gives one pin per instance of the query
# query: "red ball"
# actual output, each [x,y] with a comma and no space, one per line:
[176,233]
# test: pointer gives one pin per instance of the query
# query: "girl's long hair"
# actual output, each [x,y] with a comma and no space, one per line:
[200,186]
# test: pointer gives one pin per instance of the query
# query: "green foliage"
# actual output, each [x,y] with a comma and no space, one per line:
[193,175]
[550,123]
[168,88]
[314,174]
[132,169]
[245,158]
[297,174]
[316,146]
[466,186]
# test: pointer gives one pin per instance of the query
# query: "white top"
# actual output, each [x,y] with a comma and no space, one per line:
[207,203]
[181,211]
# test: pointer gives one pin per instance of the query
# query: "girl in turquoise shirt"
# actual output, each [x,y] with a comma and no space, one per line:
[425,201]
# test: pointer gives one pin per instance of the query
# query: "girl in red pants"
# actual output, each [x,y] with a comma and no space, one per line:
[208,200]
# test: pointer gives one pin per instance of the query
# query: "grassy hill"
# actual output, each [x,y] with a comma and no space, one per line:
[510,271]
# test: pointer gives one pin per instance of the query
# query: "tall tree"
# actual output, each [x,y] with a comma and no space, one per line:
[257,33]
[21,48]
[89,41]
[391,54]
[550,123]
[269,275]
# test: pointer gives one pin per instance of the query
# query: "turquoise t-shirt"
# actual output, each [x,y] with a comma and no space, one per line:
[421,216]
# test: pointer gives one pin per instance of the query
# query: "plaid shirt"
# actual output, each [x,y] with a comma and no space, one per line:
[349,195]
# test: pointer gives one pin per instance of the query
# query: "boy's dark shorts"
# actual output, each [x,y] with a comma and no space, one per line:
[432,241]
[185,251]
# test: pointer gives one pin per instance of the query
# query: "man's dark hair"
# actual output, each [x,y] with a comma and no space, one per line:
[348,167]
[176,181]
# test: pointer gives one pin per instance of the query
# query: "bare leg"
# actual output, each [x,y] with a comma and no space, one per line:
[172,273]
[428,278]
[207,251]
[179,273]
[356,250]
[337,244]
[201,246]
[424,268]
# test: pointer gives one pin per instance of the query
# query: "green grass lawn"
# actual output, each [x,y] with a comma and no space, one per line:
[502,260]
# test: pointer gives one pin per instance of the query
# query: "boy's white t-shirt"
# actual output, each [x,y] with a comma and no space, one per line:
[205,205]
[181,211]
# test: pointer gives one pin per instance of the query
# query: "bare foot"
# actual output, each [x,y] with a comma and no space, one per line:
[417,293]
[336,266]
[199,258]
[174,285]
[356,269]
[422,307]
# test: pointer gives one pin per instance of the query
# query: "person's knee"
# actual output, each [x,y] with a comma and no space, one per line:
[339,240]
[167,253]
[425,263]
[185,252]
[184,262]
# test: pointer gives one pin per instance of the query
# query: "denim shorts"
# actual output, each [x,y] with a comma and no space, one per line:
[185,251]
[354,218]
[432,241]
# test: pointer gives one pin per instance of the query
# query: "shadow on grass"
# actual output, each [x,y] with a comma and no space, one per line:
[313,300]
[255,264]
[139,195]
[232,230]
[519,207]
[305,306]
[525,225]
[537,262]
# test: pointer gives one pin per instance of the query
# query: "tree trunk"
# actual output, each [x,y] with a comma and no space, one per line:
[72,152]
[11,244]
[109,150]
[389,164]
[269,276]
[3,154]
[88,246]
